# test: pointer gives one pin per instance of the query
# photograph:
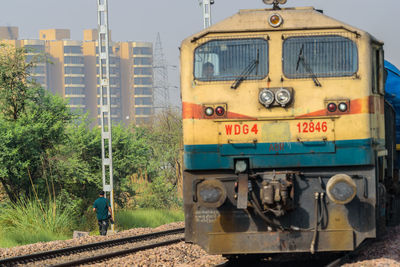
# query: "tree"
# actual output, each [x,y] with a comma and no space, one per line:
[32,122]
[15,85]
[166,139]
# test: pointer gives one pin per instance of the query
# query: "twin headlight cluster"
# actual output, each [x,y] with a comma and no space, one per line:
[341,189]
[275,96]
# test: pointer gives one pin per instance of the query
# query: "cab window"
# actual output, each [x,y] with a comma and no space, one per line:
[228,59]
[319,56]
[378,78]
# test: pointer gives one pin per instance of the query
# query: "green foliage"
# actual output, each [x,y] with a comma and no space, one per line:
[54,156]
[159,194]
[29,221]
[165,135]
[32,122]
[131,153]
[127,219]
[159,188]
[14,81]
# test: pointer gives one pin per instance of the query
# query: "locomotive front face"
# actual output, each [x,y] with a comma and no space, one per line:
[282,121]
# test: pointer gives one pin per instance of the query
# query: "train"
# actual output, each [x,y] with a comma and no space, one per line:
[290,135]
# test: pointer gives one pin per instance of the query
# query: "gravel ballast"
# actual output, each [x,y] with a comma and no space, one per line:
[385,252]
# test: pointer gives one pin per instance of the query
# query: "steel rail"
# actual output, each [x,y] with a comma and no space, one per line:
[92,246]
[349,255]
[117,253]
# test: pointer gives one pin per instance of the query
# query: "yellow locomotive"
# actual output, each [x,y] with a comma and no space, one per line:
[289,145]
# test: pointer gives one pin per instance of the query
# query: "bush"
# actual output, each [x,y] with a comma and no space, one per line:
[158,194]
[126,219]
[29,221]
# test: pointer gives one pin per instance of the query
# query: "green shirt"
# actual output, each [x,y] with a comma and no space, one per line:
[101,204]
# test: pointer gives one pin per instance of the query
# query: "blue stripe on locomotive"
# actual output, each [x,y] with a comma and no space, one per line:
[392,88]
[272,155]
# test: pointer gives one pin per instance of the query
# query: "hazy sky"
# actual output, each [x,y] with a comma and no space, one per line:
[132,20]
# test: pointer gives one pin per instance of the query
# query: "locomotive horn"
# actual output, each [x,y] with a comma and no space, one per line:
[275,3]
[268,2]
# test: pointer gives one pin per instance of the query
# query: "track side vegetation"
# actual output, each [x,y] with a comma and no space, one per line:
[50,161]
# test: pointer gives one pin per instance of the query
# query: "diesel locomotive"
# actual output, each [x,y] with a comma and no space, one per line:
[289,141]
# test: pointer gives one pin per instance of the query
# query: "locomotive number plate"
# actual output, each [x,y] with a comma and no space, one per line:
[276,131]
[311,127]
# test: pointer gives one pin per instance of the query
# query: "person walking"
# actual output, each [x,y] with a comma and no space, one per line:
[102,208]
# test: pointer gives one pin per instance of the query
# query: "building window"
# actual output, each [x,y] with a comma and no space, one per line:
[115,111]
[73,60]
[114,100]
[142,51]
[113,80]
[38,69]
[143,111]
[112,70]
[143,71]
[29,58]
[143,91]
[114,91]
[34,48]
[76,101]
[113,60]
[74,70]
[143,81]
[74,90]
[72,50]
[142,61]
[143,101]
[74,80]
[103,48]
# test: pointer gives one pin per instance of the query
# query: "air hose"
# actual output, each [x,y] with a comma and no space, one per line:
[316,198]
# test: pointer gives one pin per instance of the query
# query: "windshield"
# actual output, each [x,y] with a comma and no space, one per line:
[319,56]
[223,60]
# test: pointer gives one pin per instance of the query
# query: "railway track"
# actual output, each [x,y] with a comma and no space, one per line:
[98,251]
[306,260]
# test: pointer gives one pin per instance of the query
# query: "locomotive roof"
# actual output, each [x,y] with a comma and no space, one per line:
[256,20]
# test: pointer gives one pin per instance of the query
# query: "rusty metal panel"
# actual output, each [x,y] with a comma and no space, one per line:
[279,242]
[243,190]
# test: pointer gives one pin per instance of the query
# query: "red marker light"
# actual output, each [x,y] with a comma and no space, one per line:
[332,107]
[220,111]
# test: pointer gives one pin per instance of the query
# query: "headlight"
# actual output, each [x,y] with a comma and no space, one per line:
[211,193]
[341,189]
[283,97]
[209,111]
[240,166]
[342,107]
[266,97]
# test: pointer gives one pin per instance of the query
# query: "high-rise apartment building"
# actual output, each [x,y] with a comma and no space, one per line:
[73,72]
[34,48]
[91,55]
[137,78]
[66,68]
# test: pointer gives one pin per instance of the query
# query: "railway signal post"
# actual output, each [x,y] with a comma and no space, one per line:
[206,6]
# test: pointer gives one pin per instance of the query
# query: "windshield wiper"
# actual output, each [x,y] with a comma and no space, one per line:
[246,72]
[306,66]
